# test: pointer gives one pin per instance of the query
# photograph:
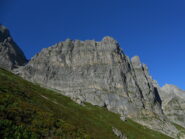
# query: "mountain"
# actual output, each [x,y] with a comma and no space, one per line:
[29,111]
[89,73]
[11,56]
[173,103]
[101,74]
[95,72]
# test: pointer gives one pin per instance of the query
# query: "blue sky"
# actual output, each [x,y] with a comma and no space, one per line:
[152,29]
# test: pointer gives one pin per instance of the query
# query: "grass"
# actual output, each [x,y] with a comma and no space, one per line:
[30,111]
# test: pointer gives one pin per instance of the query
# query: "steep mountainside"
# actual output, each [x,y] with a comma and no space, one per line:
[88,71]
[173,103]
[95,72]
[11,56]
[29,111]
[101,74]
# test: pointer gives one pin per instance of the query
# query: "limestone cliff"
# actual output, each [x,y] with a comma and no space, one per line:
[95,72]
[101,74]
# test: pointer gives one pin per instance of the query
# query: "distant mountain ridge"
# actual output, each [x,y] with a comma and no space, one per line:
[101,74]
[173,103]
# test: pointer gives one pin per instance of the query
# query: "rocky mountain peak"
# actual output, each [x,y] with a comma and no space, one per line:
[109,39]
[101,74]
[173,90]
[11,56]
[4,33]
[170,86]
[136,62]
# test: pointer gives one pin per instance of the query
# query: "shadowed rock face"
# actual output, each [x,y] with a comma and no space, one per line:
[173,103]
[96,72]
[11,56]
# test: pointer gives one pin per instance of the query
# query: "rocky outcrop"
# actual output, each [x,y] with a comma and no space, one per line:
[95,72]
[101,74]
[11,56]
[118,133]
[173,103]
[145,84]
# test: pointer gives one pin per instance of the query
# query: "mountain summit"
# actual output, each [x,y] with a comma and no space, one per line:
[95,72]
[98,72]
[101,74]
[11,56]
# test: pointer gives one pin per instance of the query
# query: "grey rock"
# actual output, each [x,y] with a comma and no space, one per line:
[95,72]
[149,91]
[118,133]
[173,103]
[181,136]
[11,56]
[101,74]
[163,126]
[123,118]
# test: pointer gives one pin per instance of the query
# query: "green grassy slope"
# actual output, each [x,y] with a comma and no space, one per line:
[30,111]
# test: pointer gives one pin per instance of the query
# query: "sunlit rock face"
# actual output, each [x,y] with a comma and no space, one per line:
[95,72]
[101,74]
[11,56]
[173,103]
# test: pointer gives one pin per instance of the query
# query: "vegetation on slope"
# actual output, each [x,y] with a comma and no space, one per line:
[30,111]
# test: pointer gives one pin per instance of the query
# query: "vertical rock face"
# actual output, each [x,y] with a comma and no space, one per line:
[96,72]
[11,56]
[101,74]
[173,103]
[146,86]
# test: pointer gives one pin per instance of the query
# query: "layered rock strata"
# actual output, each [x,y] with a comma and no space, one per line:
[101,74]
